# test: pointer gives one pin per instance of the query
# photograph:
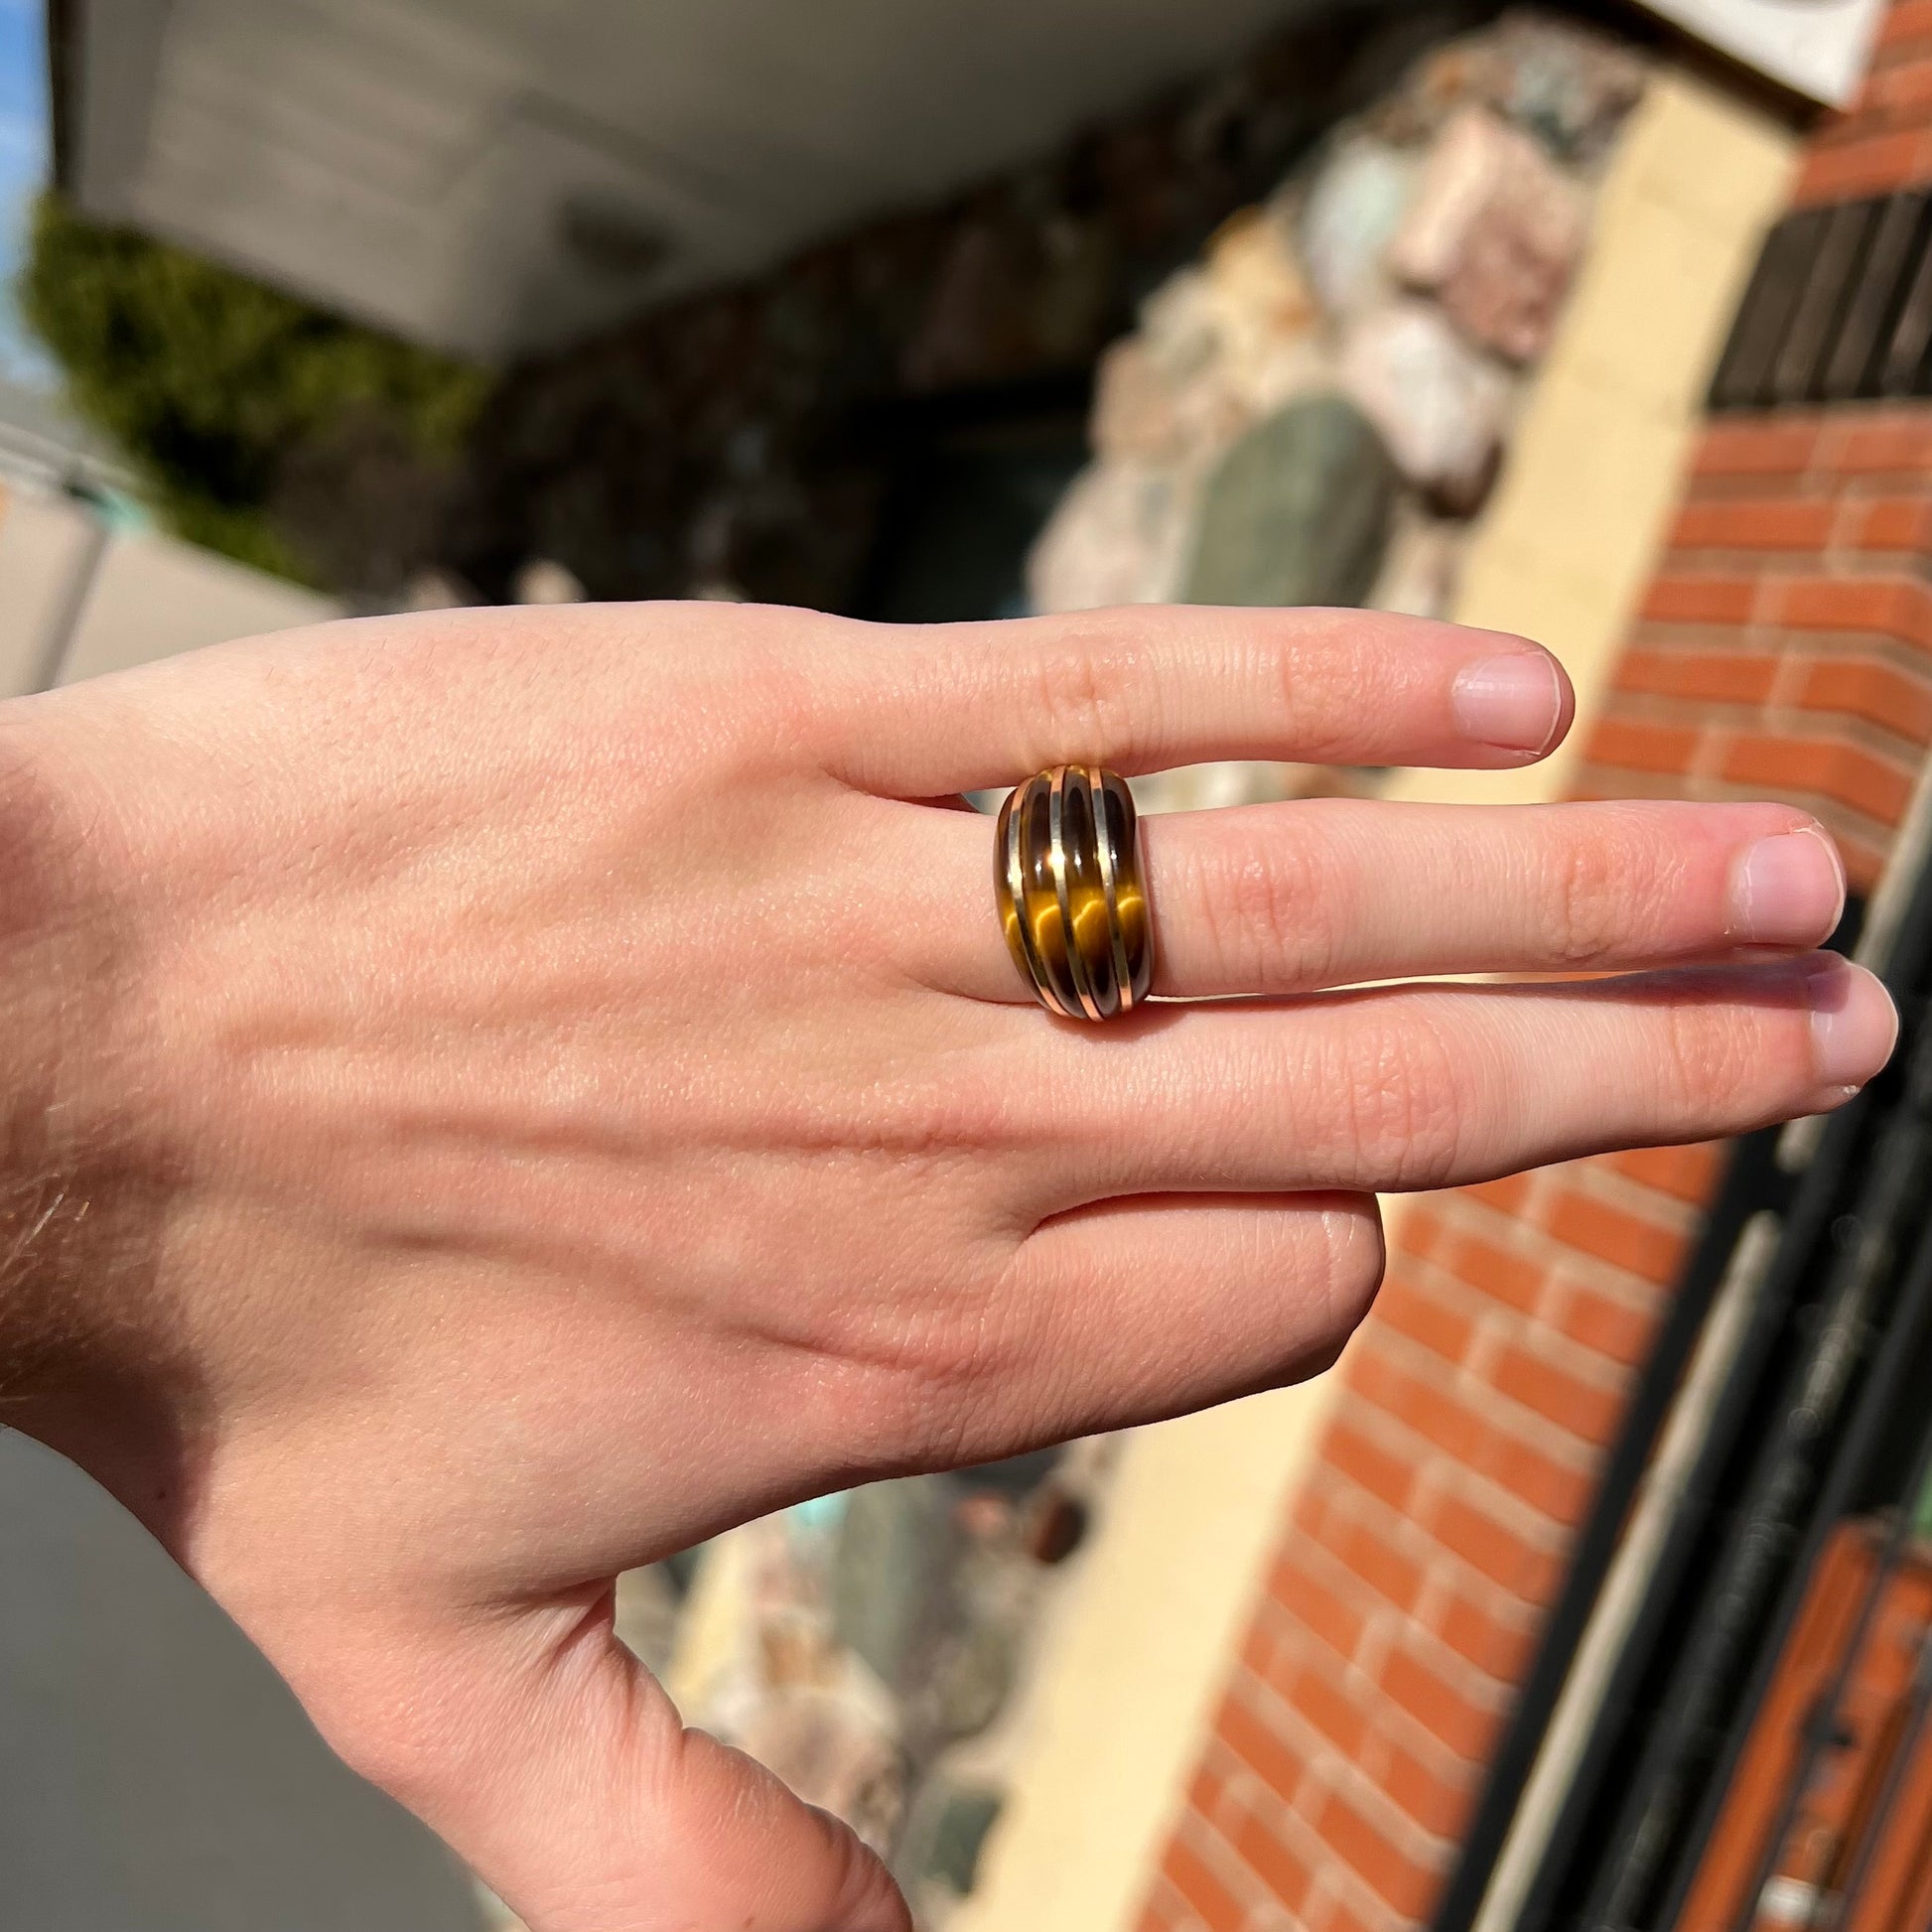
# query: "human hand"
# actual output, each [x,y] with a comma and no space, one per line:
[496,1098]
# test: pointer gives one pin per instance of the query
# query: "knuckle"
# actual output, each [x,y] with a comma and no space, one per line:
[951,1376]
[1603,890]
[1712,1054]
[1403,1086]
[951,1106]
[770,701]
[1087,700]
[1316,692]
[1274,920]
[969,1109]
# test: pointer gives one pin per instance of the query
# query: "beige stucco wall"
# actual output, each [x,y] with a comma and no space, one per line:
[77,599]
[44,548]
[1144,1636]
[1566,544]
[153,596]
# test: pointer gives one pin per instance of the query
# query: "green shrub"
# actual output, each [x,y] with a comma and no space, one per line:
[214,384]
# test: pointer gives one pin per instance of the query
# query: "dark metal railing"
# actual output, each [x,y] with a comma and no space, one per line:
[1824,1410]
[1839,308]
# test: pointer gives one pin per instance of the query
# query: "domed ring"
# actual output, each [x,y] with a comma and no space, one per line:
[1067,876]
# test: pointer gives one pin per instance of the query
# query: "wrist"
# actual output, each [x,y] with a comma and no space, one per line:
[83,1358]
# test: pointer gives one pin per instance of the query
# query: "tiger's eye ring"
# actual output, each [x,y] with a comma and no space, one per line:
[1066,874]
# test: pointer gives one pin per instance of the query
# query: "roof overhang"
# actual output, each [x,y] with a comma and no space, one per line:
[1817,48]
[502,176]
[506,175]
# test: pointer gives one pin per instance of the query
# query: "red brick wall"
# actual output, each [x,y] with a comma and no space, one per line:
[1785,644]
[1784,649]
[1884,140]
[1430,1533]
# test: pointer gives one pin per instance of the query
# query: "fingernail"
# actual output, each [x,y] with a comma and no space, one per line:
[1787,891]
[1514,703]
[1854,1024]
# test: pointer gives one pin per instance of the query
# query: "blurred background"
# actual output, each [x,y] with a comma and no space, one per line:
[1593,1586]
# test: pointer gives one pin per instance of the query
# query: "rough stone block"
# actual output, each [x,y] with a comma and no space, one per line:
[1298,512]
[1495,230]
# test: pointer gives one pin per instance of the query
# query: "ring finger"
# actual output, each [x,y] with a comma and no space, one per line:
[1320,893]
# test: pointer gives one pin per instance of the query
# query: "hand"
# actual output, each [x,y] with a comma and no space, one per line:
[498,1097]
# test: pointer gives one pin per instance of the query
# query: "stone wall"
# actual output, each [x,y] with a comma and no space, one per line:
[1317,411]
[748,441]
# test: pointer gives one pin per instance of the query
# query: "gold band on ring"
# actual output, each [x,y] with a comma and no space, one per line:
[1066,874]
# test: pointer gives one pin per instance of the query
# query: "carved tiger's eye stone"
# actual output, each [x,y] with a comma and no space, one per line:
[1072,901]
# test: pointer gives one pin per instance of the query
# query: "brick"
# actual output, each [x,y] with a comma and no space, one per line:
[1872,166]
[1439,1804]
[1890,103]
[1606,1326]
[1370,1464]
[1257,1650]
[1886,524]
[1549,1485]
[1500,1647]
[1774,446]
[1342,1919]
[1205,1791]
[1310,1514]
[1879,693]
[1191,1875]
[1846,774]
[1512,1562]
[1271,1860]
[1687,1174]
[1585,1410]
[1498,1271]
[1456,1720]
[1641,746]
[1552,1487]
[1897,95]
[1754,523]
[1507,1195]
[1886,442]
[1332,1617]
[1908,20]
[1409,1310]
[1713,677]
[1376,1561]
[1423,1231]
[1888,606]
[1612,1234]
[1320,1698]
[1682,597]
[1406,1883]
[1259,1746]
[1165,1910]
[1427,1408]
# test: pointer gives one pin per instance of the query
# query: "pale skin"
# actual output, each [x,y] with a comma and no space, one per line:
[498,1097]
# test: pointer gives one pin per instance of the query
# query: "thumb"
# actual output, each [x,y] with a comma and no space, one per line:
[542,1751]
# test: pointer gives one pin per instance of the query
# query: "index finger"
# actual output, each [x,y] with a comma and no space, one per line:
[950,708]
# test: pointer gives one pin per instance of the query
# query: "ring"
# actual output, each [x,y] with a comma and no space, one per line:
[1066,874]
